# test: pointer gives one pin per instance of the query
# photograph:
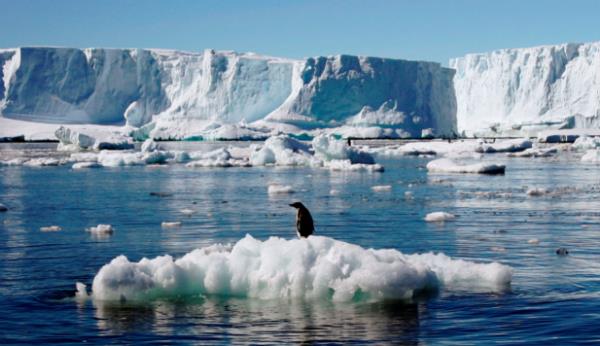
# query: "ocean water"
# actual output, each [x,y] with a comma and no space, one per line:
[551,299]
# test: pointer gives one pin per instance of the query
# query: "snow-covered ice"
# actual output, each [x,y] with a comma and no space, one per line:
[170,224]
[449,166]
[381,188]
[50,228]
[101,229]
[314,268]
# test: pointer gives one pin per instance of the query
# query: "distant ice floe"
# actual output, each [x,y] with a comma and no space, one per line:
[314,268]
[170,224]
[51,229]
[277,189]
[449,166]
[455,148]
[381,188]
[536,152]
[101,229]
[439,216]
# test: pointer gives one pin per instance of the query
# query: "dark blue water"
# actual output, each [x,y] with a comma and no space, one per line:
[552,298]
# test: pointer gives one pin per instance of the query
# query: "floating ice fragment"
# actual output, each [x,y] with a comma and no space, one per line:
[533,241]
[167,224]
[381,188]
[187,211]
[101,229]
[82,165]
[449,166]
[275,189]
[439,216]
[50,229]
[498,249]
[81,291]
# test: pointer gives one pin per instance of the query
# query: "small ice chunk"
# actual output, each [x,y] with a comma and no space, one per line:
[408,195]
[439,216]
[498,249]
[81,291]
[276,189]
[173,224]
[381,188]
[82,165]
[50,229]
[537,191]
[3,207]
[449,166]
[187,211]
[42,162]
[334,192]
[533,241]
[101,229]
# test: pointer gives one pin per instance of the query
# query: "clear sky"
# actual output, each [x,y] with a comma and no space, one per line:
[417,29]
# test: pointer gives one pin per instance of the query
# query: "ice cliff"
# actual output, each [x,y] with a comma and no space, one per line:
[171,94]
[530,88]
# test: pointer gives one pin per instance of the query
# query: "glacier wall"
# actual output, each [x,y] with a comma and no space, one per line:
[183,94]
[520,88]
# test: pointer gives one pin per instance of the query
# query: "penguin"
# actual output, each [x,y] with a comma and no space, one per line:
[304,221]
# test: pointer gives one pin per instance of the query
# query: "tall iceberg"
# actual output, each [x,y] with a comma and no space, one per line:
[173,94]
[528,88]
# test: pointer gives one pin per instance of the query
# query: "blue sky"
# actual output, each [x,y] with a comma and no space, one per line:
[423,30]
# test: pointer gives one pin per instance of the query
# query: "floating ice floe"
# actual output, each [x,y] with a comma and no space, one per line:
[592,155]
[170,224]
[381,188]
[42,162]
[17,161]
[216,158]
[313,268]
[585,143]
[276,189]
[535,152]
[101,229]
[187,211]
[51,229]
[504,146]
[533,241]
[88,139]
[449,166]
[439,216]
[82,165]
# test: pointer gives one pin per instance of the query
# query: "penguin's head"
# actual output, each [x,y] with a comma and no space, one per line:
[297,205]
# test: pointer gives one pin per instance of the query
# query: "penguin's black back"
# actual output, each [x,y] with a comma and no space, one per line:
[304,222]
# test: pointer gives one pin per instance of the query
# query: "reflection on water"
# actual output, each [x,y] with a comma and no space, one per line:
[252,321]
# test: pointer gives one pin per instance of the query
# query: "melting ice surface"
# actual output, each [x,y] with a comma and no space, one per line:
[317,267]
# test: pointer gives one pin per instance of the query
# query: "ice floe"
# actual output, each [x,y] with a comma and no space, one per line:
[381,188]
[314,268]
[170,224]
[276,189]
[101,229]
[439,216]
[50,228]
[449,166]
[592,155]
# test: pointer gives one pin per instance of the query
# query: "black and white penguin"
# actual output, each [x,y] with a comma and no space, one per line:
[304,221]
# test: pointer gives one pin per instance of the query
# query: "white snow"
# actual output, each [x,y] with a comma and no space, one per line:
[449,166]
[314,268]
[439,216]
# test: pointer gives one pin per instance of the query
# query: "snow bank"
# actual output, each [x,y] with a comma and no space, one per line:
[313,268]
[449,166]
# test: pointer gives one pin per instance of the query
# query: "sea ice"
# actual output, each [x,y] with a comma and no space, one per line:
[449,166]
[86,164]
[313,268]
[276,189]
[381,188]
[101,229]
[592,155]
[170,224]
[50,228]
[439,216]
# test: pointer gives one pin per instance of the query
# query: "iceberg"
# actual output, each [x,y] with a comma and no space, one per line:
[520,91]
[315,268]
[164,94]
